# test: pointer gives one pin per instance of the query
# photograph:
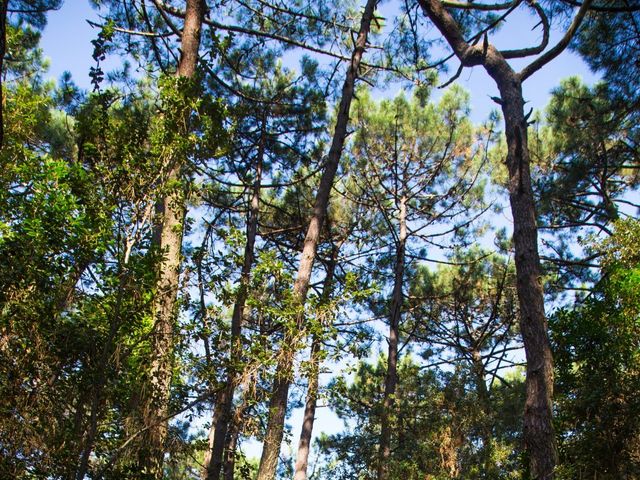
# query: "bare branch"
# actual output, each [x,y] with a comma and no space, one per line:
[525,52]
[559,47]
[479,6]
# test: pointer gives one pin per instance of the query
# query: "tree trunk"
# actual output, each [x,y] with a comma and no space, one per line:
[539,437]
[230,450]
[282,381]
[308,419]
[171,212]
[391,377]
[223,411]
[302,458]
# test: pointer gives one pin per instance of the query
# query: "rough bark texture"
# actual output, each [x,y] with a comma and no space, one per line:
[302,458]
[539,435]
[171,212]
[230,449]
[224,405]
[280,392]
[391,377]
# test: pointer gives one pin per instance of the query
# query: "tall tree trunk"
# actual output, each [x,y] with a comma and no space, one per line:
[223,410]
[302,458]
[231,444]
[391,377]
[282,381]
[171,212]
[539,437]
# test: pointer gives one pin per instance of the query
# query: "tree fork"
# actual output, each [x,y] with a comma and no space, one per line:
[539,436]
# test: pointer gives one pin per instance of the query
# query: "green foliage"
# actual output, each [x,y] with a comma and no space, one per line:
[609,43]
[81,176]
[100,49]
[590,139]
[469,311]
[54,222]
[585,154]
[597,355]
[191,121]
[434,421]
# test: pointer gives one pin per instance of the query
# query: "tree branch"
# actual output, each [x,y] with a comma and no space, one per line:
[559,47]
[525,52]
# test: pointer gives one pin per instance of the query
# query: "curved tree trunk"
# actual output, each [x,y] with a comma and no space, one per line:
[539,436]
[171,212]
[282,381]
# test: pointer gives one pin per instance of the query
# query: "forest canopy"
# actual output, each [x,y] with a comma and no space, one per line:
[275,242]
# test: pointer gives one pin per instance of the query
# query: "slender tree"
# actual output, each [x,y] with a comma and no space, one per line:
[405,155]
[279,398]
[538,427]
[222,416]
[308,417]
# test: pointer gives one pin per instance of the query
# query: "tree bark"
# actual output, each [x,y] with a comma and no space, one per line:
[391,377]
[304,445]
[220,424]
[235,428]
[308,419]
[171,210]
[230,448]
[280,392]
[539,436]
